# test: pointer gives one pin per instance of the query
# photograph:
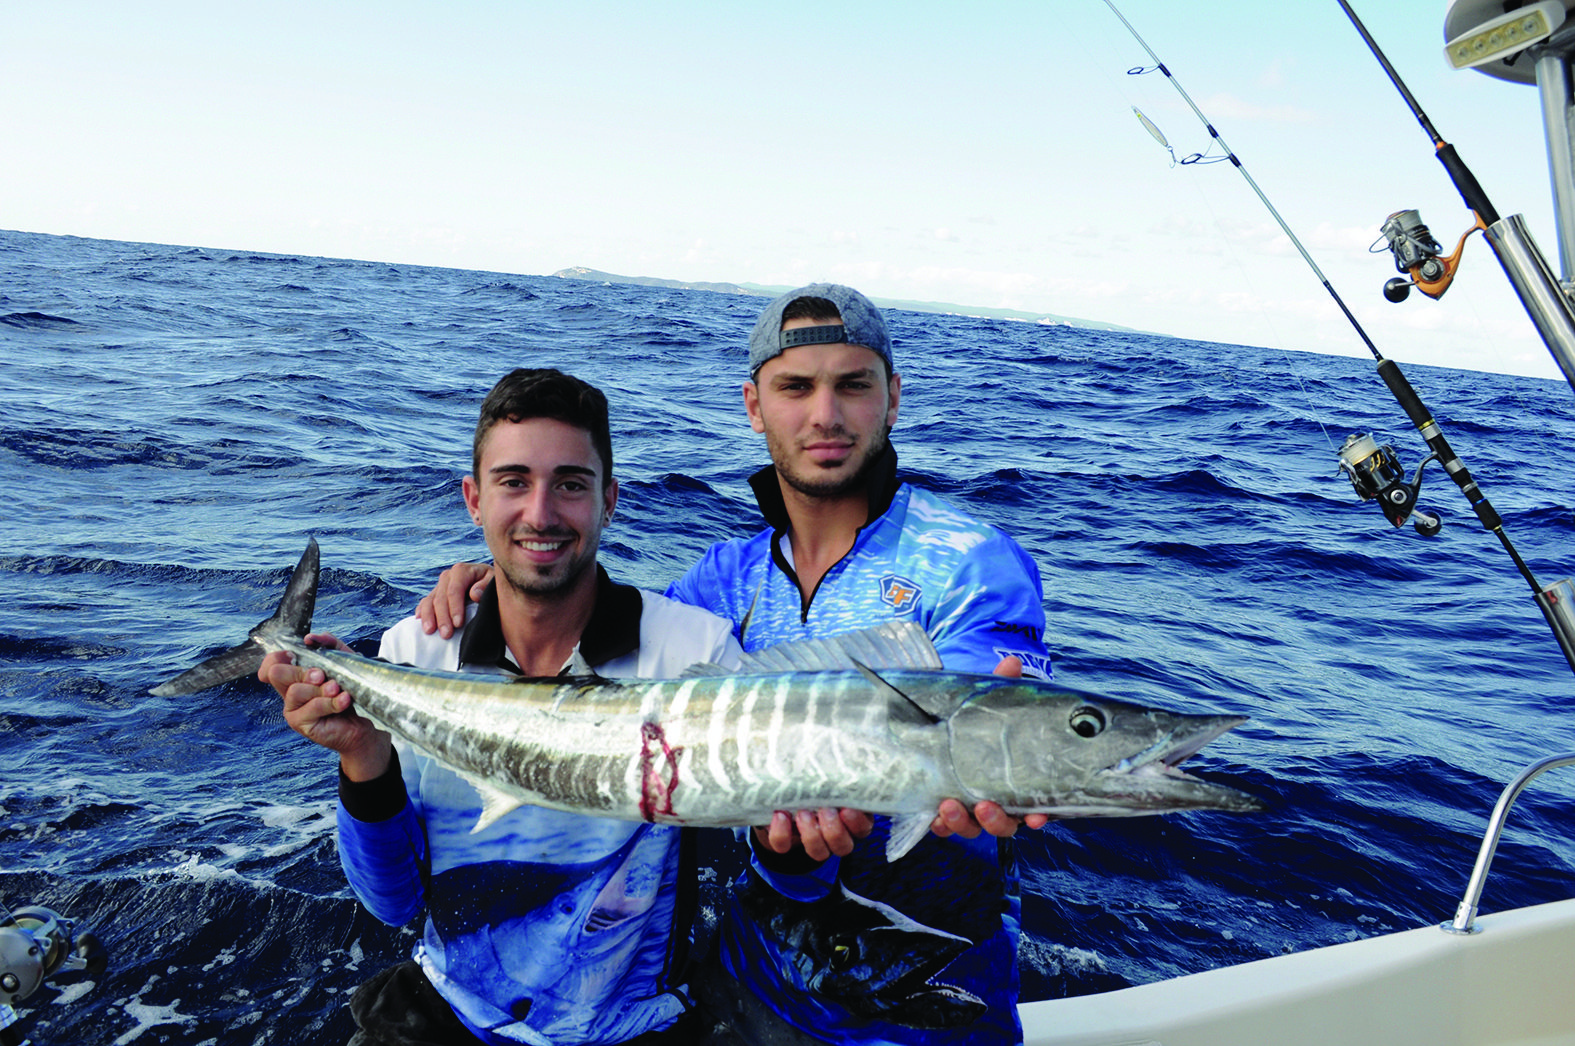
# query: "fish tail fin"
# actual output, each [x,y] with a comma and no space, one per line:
[293,618]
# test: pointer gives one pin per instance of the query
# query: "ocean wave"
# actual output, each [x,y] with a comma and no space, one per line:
[39,321]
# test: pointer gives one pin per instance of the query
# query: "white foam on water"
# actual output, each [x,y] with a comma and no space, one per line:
[224,958]
[148,1015]
[1051,958]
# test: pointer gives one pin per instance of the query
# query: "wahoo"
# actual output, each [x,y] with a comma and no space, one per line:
[784,732]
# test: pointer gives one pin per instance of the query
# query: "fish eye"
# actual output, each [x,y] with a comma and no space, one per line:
[1087,721]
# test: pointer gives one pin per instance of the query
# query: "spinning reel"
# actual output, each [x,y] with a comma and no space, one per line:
[1377,475]
[1416,252]
[35,943]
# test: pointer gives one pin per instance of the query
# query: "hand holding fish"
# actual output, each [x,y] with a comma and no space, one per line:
[820,832]
[318,710]
[829,831]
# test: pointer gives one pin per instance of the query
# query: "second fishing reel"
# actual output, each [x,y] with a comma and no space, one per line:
[1376,473]
[36,943]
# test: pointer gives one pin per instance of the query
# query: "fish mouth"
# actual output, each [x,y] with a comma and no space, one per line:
[1152,780]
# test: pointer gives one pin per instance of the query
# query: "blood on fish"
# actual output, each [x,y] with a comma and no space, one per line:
[656,792]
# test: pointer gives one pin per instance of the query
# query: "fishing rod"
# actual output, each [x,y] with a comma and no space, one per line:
[1374,470]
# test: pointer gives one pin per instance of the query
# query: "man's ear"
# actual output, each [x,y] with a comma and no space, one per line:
[472,498]
[752,406]
[609,500]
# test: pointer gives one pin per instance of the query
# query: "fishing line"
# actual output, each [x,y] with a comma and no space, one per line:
[1209,157]
[1236,162]
[1375,471]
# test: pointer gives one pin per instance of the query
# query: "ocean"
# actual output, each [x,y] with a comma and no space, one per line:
[176,421]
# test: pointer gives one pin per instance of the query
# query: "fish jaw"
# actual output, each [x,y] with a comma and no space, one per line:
[1152,782]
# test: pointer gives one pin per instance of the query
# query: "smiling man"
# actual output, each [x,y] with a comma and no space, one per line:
[835,943]
[543,927]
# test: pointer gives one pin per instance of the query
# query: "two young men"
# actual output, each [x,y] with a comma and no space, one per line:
[848,546]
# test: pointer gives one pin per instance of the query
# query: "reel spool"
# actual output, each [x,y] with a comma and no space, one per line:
[1376,474]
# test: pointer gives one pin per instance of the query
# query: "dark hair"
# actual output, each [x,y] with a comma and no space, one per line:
[546,393]
[811,309]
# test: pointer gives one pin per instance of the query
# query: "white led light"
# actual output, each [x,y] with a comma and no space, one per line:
[1505,35]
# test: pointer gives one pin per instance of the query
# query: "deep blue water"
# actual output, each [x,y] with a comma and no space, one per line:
[174,423]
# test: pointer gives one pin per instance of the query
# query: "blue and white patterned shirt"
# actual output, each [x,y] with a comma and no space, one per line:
[977,594]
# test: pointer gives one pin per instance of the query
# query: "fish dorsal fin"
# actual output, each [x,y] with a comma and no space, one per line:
[706,668]
[903,708]
[896,644]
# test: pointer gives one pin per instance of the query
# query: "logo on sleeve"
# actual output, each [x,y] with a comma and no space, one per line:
[898,592]
[1013,628]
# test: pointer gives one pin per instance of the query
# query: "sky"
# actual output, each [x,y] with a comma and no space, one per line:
[980,153]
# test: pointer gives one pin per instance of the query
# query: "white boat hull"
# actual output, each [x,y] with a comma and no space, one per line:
[1511,983]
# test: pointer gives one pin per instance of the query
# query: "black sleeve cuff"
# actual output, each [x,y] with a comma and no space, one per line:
[379,799]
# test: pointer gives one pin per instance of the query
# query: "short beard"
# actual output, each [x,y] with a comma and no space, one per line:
[835,488]
[536,582]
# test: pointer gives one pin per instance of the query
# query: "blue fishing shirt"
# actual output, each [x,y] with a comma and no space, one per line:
[545,927]
[977,594]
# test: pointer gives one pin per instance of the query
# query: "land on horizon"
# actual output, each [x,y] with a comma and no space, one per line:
[581,272]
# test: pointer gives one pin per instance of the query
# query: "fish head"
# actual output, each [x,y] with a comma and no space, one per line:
[1052,750]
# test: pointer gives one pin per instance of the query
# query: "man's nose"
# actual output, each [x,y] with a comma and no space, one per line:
[540,508]
[825,408]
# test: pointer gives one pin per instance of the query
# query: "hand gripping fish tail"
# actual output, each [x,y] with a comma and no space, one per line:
[840,721]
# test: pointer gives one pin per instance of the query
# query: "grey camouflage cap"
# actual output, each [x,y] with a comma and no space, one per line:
[861,325]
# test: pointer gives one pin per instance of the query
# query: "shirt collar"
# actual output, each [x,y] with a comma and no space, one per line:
[613,630]
[881,488]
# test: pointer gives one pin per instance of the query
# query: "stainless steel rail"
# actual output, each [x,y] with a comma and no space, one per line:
[1466,914]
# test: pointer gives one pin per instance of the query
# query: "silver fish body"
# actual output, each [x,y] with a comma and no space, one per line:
[729,750]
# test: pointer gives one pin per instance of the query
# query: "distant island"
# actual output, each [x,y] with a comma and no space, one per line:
[580,272]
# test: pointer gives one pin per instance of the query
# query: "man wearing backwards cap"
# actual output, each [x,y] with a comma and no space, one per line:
[849,546]
[833,943]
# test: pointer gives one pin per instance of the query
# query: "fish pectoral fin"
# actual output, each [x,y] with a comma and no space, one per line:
[906,831]
[494,804]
